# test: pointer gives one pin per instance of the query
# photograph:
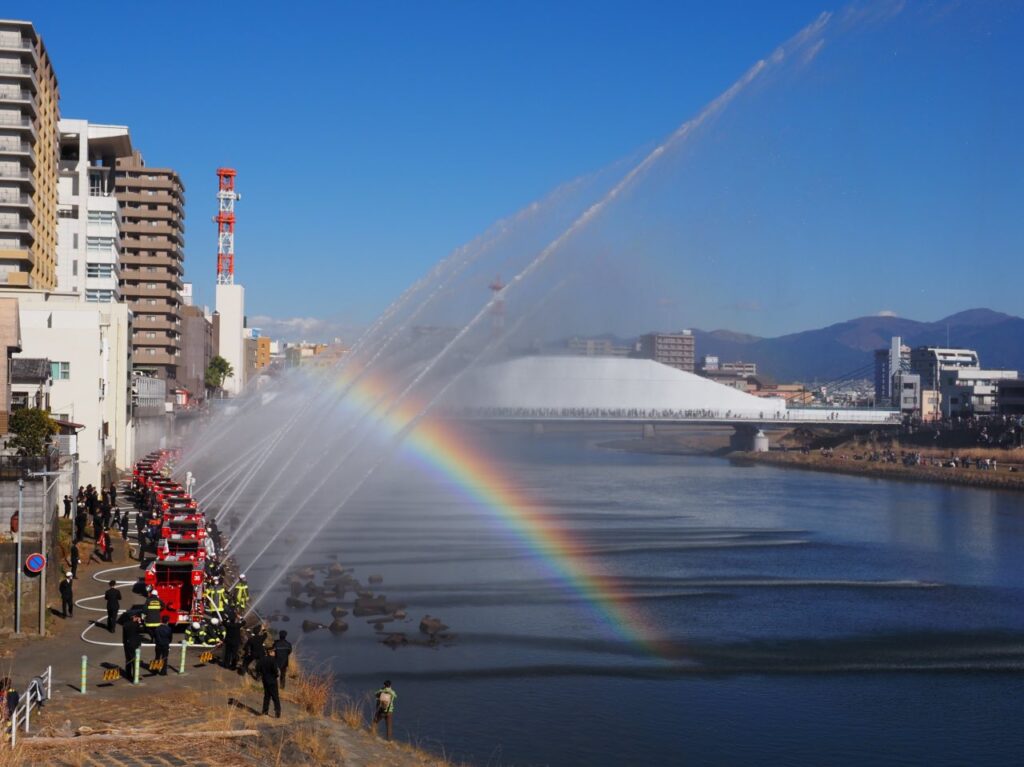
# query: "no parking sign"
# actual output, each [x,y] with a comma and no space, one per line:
[35,563]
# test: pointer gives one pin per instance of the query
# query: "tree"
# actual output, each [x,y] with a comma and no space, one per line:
[32,429]
[218,372]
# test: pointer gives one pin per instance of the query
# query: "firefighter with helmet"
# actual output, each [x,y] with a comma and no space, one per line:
[214,631]
[196,634]
[240,593]
[153,609]
[215,597]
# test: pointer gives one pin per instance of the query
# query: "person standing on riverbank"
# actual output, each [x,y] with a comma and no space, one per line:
[283,650]
[67,596]
[266,669]
[113,600]
[385,696]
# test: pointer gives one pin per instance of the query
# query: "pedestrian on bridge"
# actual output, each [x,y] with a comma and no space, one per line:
[67,595]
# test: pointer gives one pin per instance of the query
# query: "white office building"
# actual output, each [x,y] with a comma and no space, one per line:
[89,223]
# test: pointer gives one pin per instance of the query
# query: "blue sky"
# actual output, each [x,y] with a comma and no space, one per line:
[371,139]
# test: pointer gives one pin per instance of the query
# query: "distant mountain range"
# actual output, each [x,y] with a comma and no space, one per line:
[838,350]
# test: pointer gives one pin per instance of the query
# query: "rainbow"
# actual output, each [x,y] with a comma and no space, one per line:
[440,447]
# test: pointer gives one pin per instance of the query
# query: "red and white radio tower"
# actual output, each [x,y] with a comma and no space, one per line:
[225,219]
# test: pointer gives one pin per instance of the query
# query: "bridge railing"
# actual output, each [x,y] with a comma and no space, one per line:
[779,415]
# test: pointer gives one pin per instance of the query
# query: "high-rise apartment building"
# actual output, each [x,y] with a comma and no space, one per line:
[677,350]
[152,261]
[89,230]
[29,152]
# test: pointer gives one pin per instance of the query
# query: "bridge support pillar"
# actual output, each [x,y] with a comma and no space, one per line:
[648,431]
[538,428]
[749,439]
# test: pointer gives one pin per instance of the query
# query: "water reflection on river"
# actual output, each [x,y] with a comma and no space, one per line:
[816,618]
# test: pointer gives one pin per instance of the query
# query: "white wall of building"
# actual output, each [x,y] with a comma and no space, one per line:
[86,344]
[231,307]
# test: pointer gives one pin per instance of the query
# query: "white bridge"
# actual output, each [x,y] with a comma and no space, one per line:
[616,390]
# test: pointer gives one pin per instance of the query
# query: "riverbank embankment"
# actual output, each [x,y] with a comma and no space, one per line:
[1003,477]
[207,715]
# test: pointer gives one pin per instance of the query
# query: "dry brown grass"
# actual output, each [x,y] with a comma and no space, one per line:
[312,691]
[353,713]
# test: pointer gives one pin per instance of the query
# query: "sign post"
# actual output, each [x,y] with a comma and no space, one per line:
[35,563]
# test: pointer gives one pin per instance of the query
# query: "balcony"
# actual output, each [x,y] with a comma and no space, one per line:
[22,44]
[21,98]
[17,122]
[17,200]
[18,279]
[130,184]
[138,212]
[21,176]
[161,341]
[134,261]
[136,292]
[142,359]
[21,227]
[161,324]
[145,228]
[21,148]
[160,198]
[18,254]
[8,69]
[164,245]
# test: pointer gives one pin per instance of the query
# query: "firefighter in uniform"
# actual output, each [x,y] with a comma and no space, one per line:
[214,631]
[216,598]
[195,634]
[240,594]
[153,608]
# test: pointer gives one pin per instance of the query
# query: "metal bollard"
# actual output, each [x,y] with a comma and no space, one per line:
[181,665]
[138,660]
[85,666]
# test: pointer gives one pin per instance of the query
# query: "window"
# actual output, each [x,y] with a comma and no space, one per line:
[60,371]
[99,243]
[97,296]
[74,241]
[74,268]
[99,270]
[101,216]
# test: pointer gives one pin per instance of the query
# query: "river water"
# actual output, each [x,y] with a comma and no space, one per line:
[813,618]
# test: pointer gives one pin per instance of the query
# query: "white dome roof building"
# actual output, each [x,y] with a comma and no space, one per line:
[602,387]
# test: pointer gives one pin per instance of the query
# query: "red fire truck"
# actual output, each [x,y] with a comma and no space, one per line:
[178,580]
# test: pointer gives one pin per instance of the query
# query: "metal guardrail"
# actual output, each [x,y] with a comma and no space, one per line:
[37,692]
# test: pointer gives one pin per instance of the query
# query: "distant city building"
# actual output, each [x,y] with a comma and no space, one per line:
[89,231]
[152,204]
[197,342]
[972,391]
[595,347]
[676,350]
[29,152]
[739,368]
[1010,397]
[884,370]
[262,352]
[709,363]
[908,386]
[930,361]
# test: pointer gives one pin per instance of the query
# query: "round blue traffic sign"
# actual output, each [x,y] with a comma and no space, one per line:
[35,563]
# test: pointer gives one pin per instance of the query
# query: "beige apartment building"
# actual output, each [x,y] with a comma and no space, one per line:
[29,155]
[152,202]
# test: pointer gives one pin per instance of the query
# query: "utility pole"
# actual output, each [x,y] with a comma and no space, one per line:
[17,563]
[42,545]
